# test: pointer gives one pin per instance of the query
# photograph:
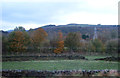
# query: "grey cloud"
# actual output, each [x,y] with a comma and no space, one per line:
[35,12]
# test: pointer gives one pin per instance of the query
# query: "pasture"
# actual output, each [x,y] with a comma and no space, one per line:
[60,65]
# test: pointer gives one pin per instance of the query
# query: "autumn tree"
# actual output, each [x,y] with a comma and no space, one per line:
[72,41]
[112,46]
[98,45]
[90,47]
[38,37]
[17,41]
[26,35]
[60,43]
[54,40]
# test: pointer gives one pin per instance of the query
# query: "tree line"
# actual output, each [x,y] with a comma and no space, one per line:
[20,41]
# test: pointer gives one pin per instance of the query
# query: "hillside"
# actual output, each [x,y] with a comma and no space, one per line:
[82,28]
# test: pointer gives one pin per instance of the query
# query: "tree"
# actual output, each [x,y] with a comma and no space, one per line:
[22,29]
[54,40]
[4,44]
[17,41]
[85,36]
[38,37]
[112,46]
[114,34]
[72,41]
[99,47]
[90,47]
[60,43]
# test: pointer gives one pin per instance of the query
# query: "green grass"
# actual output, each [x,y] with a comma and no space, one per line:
[94,57]
[60,65]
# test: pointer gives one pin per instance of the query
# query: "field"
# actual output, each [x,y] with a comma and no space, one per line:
[89,64]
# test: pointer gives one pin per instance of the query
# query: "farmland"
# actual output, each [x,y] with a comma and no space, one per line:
[89,64]
[61,67]
[37,53]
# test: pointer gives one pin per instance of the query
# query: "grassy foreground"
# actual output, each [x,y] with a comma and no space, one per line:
[60,65]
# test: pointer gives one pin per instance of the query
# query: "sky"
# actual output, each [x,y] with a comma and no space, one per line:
[37,13]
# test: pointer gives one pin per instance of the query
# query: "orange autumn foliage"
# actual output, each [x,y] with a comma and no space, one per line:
[60,43]
[17,41]
[39,36]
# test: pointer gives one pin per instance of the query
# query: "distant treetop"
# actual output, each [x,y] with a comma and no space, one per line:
[20,28]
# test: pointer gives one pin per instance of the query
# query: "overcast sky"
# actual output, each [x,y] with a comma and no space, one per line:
[36,13]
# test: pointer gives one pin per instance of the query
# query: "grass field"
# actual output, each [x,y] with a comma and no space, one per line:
[60,65]
[95,57]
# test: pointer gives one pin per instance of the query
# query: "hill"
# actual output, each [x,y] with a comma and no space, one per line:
[82,28]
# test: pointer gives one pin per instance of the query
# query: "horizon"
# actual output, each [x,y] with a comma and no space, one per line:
[51,24]
[39,13]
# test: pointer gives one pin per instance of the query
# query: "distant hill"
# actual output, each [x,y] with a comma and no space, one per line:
[65,29]
[82,28]
[9,31]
